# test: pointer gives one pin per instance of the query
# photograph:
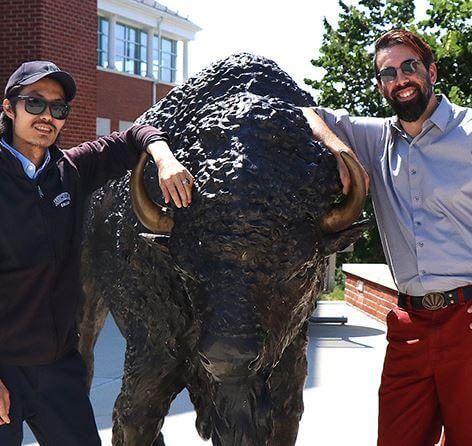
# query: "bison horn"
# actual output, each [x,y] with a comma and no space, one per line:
[152,215]
[343,216]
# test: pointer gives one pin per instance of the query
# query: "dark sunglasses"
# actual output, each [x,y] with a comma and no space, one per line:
[408,67]
[36,106]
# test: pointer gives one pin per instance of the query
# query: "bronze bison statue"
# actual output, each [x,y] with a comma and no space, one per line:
[215,298]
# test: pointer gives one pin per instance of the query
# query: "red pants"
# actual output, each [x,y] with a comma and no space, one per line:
[427,378]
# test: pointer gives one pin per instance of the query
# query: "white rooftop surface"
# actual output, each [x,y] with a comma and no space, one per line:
[374,272]
[344,367]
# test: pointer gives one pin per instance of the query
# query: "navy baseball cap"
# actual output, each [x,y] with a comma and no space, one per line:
[31,72]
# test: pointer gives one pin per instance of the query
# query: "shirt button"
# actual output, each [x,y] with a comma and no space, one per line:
[416,198]
[417,223]
[413,171]
[420,244]
[422,271]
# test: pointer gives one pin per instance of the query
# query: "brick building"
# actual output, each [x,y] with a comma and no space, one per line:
[371,288]
[124,55]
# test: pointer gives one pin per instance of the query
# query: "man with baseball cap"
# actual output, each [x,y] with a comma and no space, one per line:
[43,194]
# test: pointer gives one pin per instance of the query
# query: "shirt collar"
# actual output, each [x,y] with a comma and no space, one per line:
[396,126]
[440,116]
[28,166]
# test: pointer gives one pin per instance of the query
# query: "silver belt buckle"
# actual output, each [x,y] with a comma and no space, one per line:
[434,301]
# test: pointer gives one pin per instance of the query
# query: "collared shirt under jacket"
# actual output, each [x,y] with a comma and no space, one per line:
[422,193]
[40,236]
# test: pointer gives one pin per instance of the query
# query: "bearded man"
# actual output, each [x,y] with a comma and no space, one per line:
[420,167]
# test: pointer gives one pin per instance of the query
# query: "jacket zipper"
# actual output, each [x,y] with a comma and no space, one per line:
[41,196]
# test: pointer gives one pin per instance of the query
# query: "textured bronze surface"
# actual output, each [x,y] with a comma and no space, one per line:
[220,307]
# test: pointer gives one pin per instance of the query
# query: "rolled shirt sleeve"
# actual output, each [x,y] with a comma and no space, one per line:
[364,135]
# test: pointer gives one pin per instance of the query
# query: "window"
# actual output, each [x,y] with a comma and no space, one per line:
[103,126]
[168,60]
[124,125]
[155,57]
[129,51]
[131,48]
[102,42]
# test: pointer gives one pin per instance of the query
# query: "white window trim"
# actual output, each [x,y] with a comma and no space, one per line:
[122,73]
[151,31]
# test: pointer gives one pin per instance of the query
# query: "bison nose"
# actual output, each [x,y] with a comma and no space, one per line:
[229,357]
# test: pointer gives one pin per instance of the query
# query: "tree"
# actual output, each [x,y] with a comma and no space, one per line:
[346,58]
[448,29]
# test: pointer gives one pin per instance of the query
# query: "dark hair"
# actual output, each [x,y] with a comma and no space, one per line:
[407,38]
[6,127]
[6,124]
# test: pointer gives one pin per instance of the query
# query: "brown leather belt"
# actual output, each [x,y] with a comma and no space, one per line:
[435,300]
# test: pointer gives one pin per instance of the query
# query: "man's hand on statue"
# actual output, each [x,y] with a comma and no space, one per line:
[175,180]
[4,404]
[344,172]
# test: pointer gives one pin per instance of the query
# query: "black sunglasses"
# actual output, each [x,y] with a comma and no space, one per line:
[36,106]
[408,67]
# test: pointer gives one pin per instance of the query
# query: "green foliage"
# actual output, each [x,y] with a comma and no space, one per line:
[346,59]
[339,278]
[346,55]
[336,294]
[448,29]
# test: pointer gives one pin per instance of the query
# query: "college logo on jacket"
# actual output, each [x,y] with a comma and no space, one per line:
[62,200]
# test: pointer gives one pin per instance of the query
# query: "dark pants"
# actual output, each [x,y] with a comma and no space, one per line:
[427,378]
[53,400]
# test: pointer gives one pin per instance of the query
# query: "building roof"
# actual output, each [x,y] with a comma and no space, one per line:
[373,272]
[161,7]
[151,13]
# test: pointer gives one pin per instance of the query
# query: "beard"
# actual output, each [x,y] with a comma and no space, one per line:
[411,111]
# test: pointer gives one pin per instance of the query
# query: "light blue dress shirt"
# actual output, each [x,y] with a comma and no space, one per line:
[422,193]
[28,166]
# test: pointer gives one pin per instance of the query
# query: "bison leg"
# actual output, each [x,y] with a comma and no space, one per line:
[147,391]
[91,320]
[286,385]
